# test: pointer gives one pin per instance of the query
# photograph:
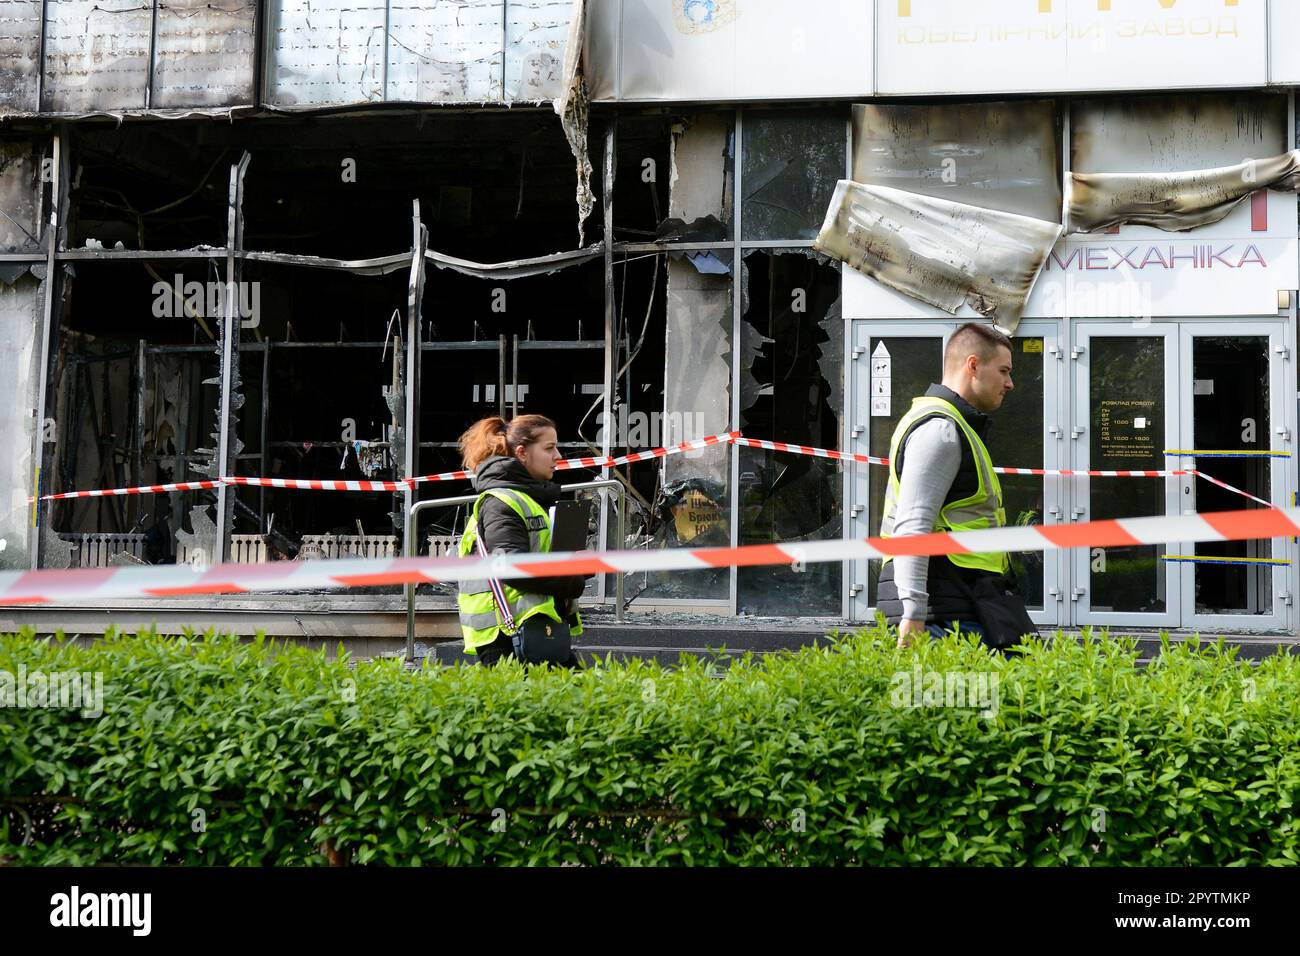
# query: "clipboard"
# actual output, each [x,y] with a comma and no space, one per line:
[569,522]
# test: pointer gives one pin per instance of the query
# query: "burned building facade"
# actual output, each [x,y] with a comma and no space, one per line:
[275,242]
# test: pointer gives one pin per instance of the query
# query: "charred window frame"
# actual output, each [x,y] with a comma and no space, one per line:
[795,190]
[762,144]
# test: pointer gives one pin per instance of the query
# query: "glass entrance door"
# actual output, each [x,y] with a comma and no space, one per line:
[1233,416]
[892,364]
[1124,419]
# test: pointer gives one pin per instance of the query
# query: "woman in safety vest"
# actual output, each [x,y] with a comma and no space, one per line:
[513,463]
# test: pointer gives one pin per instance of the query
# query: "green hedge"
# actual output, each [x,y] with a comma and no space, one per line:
[211,751]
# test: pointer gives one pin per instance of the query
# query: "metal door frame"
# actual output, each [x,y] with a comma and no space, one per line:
[1080,559]
[1281,430]
[858,477]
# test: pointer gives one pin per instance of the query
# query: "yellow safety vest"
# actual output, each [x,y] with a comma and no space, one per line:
[480,619]
[983,509]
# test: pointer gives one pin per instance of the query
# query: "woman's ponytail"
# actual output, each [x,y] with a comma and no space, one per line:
[482,440]
[494,436]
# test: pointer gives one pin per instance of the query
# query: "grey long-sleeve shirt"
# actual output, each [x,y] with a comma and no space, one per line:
[933,456]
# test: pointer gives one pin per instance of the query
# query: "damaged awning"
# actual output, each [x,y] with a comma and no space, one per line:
[1175,201]
[943,253]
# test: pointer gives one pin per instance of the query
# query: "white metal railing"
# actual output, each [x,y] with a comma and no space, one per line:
[93,549]
[413,520]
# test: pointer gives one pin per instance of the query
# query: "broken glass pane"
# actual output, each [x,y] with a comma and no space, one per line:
[792,360]
[792,161]
[692,508]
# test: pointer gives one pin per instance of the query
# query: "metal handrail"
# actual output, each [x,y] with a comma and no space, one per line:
[413,523]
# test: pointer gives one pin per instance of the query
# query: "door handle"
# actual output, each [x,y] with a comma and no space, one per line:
[857,430]
[1055,431]
[1076,593]
[1076,431]
[1077,513]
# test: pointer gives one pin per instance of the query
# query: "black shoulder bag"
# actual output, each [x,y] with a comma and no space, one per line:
[999,608]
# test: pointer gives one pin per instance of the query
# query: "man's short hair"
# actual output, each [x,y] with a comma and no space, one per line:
[974,338]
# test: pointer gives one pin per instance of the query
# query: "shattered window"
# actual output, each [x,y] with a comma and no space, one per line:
[693,505]
[701,189]
[792,161]
[641,178]
[792,364]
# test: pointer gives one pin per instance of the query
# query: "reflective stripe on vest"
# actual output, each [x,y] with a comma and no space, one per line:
[480,621]
[983,509]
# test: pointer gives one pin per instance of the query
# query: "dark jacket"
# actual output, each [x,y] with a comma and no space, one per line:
[948,600]
[503,530]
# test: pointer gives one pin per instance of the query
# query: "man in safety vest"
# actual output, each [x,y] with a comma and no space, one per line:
[941,478]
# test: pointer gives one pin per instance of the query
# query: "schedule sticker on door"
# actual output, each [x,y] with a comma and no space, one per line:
[882,381]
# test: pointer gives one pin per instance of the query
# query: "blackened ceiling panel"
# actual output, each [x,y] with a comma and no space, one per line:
[325,53]
[1162,134]
[334,52]
[444,52]
[96,55]
[204,54]
[1003,156]
[20,48]
[536,36]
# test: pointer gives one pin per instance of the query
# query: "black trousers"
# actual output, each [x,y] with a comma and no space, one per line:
[503,646]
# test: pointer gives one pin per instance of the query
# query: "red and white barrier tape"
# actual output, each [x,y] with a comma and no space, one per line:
[317,484]
[43,587]
[1224,484]
[401,484]
[808,450]
[327,484]
[636,456]
[141,490]
[1063,472]
[444,476]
